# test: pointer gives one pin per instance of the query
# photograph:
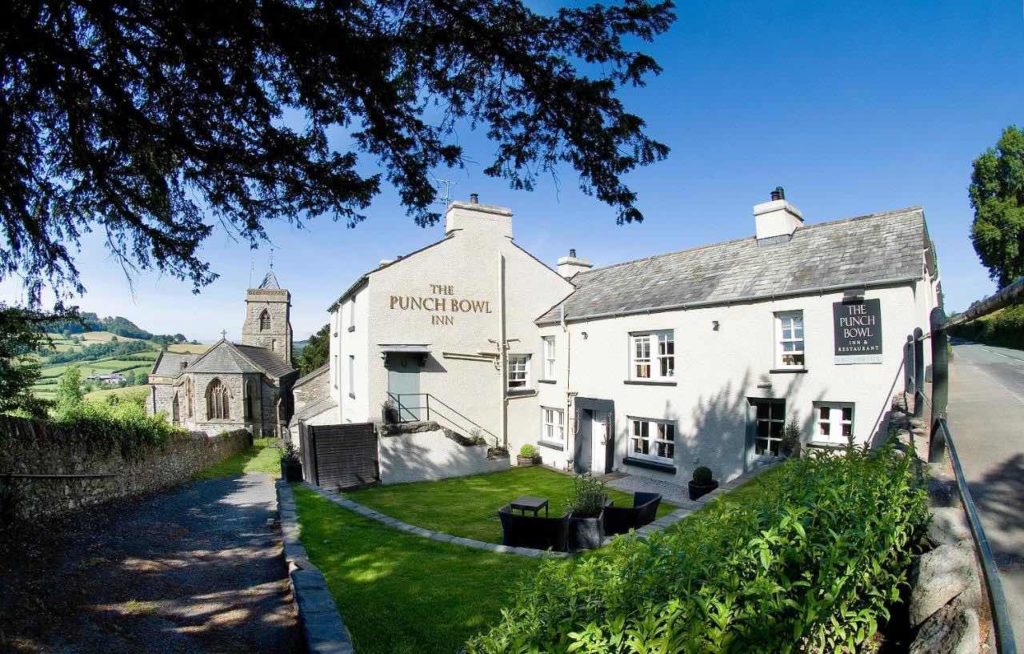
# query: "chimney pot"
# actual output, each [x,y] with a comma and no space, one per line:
[572,252]
[474,198]
[779,193]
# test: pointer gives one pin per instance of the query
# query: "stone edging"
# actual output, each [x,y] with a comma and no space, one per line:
[394,523]
[321,621]
[658,525]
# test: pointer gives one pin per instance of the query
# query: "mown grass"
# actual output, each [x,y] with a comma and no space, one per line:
[468,506]
[401,593]
[264,456]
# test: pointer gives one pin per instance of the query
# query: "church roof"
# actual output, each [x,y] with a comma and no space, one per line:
[169,364]
[270,282]
[867,250]
[269,362]
[223,357]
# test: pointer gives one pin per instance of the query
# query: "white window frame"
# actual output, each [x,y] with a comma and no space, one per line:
[552,430]
[830,421]
[518,372]
[352,314]
[777,419]
[657,351]
[550,358]
[788,344]
[659,435]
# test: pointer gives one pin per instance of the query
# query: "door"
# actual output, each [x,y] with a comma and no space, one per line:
[404,385]
[584,441]
[606,436]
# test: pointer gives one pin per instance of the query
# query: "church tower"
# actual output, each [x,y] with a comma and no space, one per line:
[267,318]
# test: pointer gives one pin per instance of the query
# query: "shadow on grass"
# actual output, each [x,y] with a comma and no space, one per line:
[264,456]
[400,593]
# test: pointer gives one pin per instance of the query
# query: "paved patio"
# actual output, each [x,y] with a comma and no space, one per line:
[678,494]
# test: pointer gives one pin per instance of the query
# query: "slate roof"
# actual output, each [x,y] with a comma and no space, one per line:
[312,410]
[271,363]
[223,357]
[866,250]
[169,363]
[270,282]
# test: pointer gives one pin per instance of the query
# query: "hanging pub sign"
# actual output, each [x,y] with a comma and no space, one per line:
[858,329]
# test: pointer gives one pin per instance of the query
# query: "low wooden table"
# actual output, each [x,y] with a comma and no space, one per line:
[530,503]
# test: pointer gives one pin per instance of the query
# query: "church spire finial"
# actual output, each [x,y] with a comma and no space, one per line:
[223,334]
[271,258]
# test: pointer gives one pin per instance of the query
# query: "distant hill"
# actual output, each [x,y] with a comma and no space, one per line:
[111,352]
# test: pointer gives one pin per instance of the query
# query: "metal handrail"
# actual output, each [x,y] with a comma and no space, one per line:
[431,398]
[1005,643]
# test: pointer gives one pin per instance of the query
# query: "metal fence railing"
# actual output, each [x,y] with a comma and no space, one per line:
[941,444]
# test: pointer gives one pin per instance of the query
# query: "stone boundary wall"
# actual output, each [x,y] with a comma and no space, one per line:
[321,620]
[35,447]
[948,610]
[430,455]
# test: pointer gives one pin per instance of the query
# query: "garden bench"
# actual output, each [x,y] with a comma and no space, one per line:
[533,532]
[619,520]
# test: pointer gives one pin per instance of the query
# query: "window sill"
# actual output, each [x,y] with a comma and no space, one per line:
[644,382]
[546,381]
[650,465]
[526,392]
[790,371]
[551,446]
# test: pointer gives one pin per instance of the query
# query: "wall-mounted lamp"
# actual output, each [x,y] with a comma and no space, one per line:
[714,325]
[584,335]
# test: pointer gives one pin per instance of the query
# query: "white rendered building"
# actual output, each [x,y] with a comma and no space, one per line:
[651,367]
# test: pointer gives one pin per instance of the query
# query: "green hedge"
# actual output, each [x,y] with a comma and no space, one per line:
[117,423]
[811,564]
[1004,328]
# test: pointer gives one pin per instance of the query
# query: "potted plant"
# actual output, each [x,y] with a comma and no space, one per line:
[528,455]
[389,413]
[291,464]
[790,445]
[702,483]
[586,513]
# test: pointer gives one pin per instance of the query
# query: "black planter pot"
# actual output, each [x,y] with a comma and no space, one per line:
[586,533]
[389,415]
[291,471]
[699,490]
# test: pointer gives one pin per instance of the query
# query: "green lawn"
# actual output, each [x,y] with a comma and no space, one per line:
[468,506]
[401,593]
[263,456]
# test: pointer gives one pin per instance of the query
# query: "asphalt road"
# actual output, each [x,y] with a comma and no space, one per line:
[195,569]
[986,418]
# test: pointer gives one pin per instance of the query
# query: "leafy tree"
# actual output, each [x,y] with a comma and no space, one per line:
[139,119]
[316,352]
[21,334]
[997,195]
[69,390]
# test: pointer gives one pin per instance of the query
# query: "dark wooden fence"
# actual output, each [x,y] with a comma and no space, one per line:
[340,456]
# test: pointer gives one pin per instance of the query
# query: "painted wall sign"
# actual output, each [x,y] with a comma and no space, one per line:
[442,304]
[858,331]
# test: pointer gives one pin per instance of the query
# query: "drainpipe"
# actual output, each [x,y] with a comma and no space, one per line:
[502,351]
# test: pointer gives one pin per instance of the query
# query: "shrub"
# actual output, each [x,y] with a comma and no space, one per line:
[121,423]
[702,476]
[811,563]
[528,451]
[791,438]
[588,497]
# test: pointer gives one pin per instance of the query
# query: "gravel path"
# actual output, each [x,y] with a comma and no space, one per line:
[195,569]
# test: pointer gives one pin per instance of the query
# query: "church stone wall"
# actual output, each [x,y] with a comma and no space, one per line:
[279,337]
[314,389]
[235,386]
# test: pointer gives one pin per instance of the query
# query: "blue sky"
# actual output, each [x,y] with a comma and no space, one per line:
[852,107]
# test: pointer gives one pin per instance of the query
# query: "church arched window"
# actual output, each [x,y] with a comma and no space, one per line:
[265,321]
[217,401]
[175,410]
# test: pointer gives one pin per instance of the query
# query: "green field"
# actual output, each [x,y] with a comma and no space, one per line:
[138,363]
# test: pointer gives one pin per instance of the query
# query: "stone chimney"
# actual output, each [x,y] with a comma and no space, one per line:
[473,217]
[777,217]
[570,265]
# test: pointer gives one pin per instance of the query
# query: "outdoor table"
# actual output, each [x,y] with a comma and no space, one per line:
[530,503]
